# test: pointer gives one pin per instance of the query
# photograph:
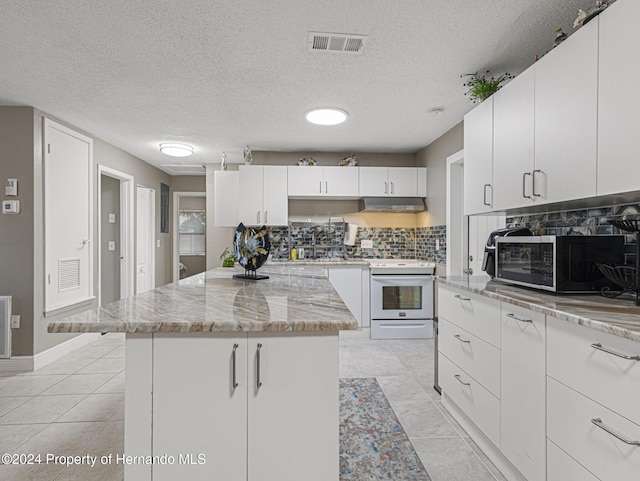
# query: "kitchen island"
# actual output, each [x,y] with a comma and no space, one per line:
[228,378]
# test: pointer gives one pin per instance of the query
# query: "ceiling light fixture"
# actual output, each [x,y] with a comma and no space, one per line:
[176,150]
[436,110]
[326,116]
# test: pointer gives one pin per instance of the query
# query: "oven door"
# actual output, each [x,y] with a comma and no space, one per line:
[402,296]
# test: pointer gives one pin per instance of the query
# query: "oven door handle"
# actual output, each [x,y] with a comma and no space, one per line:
[403,278]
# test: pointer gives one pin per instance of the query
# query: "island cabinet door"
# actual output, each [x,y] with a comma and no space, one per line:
[293,407]
[199,417]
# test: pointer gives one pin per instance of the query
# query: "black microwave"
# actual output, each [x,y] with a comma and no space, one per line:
[561,264]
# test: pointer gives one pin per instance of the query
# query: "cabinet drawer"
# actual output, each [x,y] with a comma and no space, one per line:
[570,426]
[476,314]
[482,407]
[562,467]
[477,357]
[606,378]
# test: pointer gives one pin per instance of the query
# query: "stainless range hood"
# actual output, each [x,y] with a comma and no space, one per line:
[392,204]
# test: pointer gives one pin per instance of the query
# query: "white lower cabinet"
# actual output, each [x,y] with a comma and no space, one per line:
[562,467]
[523,394]
[278,423]
[579,426]
[482,407]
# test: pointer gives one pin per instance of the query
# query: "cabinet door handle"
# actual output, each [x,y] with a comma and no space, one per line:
[457,376]
[258,380]
[258,217]
[484,200]
[392,187]
[598,422]
[321,187]
[386,185]
[266,213]
[326,187]
[524,181]
[458,296]
[234,382]
[599,347]
[533,186]
[457,336]
[513,316]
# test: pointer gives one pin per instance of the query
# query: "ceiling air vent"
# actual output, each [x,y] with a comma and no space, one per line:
[336,42]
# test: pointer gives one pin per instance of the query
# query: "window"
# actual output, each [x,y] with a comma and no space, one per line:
[192,228]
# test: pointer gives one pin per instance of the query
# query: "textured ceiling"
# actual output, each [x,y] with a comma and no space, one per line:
[220,75]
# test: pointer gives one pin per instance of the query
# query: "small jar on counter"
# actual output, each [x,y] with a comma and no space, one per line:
[294,254]
[301,253]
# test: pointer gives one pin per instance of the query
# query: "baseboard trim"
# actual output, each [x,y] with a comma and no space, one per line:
[492,452]
[44,358]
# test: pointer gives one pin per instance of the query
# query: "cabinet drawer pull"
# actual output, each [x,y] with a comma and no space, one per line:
[258,380]
[599,347]
[234,382]
[533,186]
[458,296]
[484,200]
[598,422]
[524,181]
[457,376]
[513,316]
[457,336]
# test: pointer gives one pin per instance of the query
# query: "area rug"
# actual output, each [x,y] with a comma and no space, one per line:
[373,445]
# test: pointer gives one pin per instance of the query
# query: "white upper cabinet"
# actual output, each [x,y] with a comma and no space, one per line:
[393,182]
[618,167]
[513,142]
[307,181]
[566,109]
[263,195]
[227,198]
[478,159]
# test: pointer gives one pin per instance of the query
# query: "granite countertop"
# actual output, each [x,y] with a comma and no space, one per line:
[620,316]
[292,299]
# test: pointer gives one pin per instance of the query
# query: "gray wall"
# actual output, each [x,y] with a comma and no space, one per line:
[109,260]
[434,158]
[17,231]
[188,183]
[22,236]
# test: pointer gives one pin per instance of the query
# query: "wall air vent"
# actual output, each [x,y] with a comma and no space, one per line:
[184,169]
[336,42]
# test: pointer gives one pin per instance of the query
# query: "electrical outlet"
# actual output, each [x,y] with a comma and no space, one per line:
[366,244]
[112,218]
[15,321]
[437,244]
[158,243]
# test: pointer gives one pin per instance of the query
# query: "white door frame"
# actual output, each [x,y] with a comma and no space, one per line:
[176,241]
[127,264]
[457,243]
[151,268]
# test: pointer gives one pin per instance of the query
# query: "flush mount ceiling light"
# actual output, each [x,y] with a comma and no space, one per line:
[435,111]
[326,116]
[176,150]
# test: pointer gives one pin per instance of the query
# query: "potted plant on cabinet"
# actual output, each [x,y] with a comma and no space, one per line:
[482,86]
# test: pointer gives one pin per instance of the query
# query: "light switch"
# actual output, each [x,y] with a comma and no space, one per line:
[112,245]
[10,206]
[15,321]
[112,218]
[366,244]
[437,244]
[11,187]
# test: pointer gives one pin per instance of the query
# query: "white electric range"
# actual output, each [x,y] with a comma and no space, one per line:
[402,298]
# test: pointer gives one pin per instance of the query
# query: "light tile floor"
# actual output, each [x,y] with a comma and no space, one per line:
[75,406]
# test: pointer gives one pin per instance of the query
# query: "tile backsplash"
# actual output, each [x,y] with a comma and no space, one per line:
[580,222]
[388,242]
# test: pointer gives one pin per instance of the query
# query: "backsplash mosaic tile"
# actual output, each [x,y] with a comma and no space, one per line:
[388,242]
[580,222]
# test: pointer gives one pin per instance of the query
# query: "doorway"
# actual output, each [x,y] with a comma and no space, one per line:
[466,235]
[145,244]
[189,234]
[115,235]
